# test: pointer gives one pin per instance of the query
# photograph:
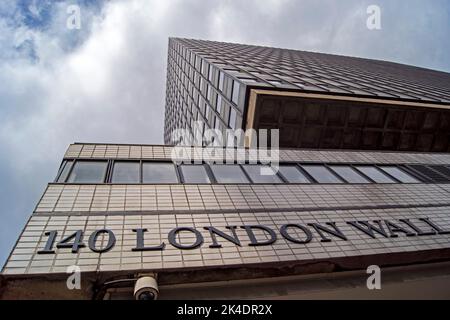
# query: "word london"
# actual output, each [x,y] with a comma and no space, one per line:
[325,231]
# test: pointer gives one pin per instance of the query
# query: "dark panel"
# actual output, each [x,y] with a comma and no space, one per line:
[328,124]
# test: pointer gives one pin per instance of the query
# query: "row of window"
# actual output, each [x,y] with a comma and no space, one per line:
[88,171]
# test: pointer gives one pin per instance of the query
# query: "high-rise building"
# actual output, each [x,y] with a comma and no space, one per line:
[363,183]
[316,100]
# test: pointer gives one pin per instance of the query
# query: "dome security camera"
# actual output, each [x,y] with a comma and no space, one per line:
[146,288]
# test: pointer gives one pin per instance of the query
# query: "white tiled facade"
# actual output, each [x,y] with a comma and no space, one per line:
[66,208]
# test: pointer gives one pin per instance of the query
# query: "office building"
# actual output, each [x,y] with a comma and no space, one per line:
[363,182]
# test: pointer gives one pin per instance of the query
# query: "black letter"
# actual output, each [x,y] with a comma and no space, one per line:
[396,228]
[435,227]
[251,235]
[284,233]
[173,240]
[140,242]
[416,229]
[336,232]
[213,231]
[370,228]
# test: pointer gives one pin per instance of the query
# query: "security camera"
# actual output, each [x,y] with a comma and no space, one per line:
[146,288]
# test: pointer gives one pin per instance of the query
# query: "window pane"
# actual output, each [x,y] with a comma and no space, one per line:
[293,175]
[232,120]
[88,172]
[321,174]
[375,174]
[399,174]
[229,174]
[349,174]
[194,174]
[65,171]
[126,172]
[159,172]
[254,171]
[235,95]
[221,79]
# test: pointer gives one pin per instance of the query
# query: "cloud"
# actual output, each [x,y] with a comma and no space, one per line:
[106,82]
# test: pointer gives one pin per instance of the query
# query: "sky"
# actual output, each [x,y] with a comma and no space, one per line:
[105,82]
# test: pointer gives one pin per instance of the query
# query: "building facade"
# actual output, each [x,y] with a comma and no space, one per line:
[363,180]
[317,100]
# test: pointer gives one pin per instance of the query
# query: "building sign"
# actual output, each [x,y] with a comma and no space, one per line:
[326,232]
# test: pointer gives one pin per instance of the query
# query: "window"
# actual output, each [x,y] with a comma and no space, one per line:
[375,174]
[88,172]
[221,80]
[65,171]
[210,73]
[399,174]
[208,92]
[232,120]
[194,174]
[229,173]
[262,174]
[292,174]
[159,172]
[235,94]
[321,174]
[219,103]
[126,172]
[349,174]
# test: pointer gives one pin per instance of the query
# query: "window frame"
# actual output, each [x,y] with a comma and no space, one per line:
[108,174]
[105,173]
[113,164]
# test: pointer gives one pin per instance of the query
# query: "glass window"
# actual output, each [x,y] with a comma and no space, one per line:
[375,174]
[399,174]
[88,172]
[228,173]
[292,174]
[321,174]
[126,172]
[232,120]
[262,174]
[194,174]
[219,103]
[349,174]
[221,80]
[65,171]
[159,172]
[235,94]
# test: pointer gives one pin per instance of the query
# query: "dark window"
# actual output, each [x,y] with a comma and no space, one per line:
[65,171]
[292,174]
[88,172]
[229,174]
[321,174]
[349,174]
[159,172]
[399,174]
[126,172]
[262,174]
[194,174]
[375,174]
